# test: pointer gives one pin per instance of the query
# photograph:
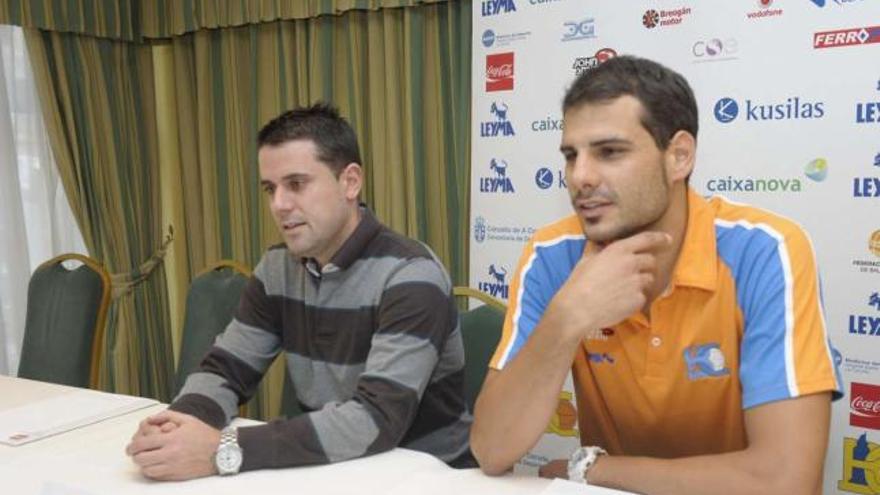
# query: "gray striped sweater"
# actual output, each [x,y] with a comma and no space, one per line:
[372,345]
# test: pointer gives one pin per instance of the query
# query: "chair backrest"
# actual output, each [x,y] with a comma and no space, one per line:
[481,331]
[210,304]
[64,325]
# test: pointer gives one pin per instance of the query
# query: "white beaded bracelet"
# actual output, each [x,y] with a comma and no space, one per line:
[581,460]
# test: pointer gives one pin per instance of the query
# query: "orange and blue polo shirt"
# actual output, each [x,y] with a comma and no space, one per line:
[740,325]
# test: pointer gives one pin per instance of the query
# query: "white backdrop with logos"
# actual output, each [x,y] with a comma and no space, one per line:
[789,98]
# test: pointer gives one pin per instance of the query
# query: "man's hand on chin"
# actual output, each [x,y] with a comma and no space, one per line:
[173,446]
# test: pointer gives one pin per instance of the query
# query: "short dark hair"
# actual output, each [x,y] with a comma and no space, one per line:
[668,101]
[320,123]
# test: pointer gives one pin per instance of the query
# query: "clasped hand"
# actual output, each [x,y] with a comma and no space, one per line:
[172,446]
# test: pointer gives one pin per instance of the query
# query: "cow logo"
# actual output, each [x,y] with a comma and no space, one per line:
[497,285]
[499,182]
[500,126]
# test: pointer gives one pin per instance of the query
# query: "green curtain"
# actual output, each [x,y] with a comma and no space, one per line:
[98,102]
[135,20]
[114,19]
[181,115]
[166,18]
[399,75]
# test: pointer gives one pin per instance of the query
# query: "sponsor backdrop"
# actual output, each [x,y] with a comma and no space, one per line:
[789,95]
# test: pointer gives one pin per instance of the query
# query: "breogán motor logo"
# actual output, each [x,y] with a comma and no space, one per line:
[861,466]
[664,18]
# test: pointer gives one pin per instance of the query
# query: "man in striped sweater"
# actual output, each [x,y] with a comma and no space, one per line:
[364,316]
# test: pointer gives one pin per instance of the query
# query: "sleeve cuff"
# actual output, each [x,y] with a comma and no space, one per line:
[201,407]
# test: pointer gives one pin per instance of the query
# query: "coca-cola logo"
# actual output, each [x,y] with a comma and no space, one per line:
[499,71]
[864,405]
[870,407]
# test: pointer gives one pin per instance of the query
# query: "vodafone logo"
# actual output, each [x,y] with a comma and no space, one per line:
[865,406]
[499,71]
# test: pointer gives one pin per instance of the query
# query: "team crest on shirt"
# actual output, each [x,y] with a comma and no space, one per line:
[705,361]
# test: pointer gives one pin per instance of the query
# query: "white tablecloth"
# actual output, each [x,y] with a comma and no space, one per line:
[91,461]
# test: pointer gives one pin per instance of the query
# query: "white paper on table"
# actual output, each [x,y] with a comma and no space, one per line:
[564,487]
[71,410]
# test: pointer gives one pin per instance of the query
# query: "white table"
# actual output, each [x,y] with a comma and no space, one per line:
[91,461]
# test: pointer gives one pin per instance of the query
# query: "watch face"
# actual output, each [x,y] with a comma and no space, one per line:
[228,459]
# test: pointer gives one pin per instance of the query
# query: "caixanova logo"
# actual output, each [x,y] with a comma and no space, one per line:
[864,405]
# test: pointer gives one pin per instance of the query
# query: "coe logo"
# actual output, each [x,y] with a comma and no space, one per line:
[715,49]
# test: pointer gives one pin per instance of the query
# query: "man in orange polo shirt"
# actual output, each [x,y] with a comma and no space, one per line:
[692,328]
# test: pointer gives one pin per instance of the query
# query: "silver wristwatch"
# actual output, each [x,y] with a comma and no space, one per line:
[228,457]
